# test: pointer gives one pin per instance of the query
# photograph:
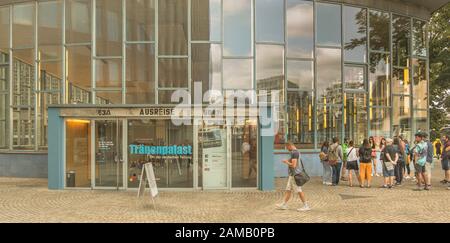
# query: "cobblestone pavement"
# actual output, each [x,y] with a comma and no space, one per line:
[28,200]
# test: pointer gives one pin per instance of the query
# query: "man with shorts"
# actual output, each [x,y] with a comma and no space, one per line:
[293,169]
[420,158]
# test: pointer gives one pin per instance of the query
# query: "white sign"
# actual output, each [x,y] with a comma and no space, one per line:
[148,175]
[215,158]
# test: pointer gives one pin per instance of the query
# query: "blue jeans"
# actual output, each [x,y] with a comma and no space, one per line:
[336,174]
[326,178]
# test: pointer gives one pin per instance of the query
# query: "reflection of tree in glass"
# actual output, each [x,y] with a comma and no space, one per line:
[361,22]
[378,31]
[400,39]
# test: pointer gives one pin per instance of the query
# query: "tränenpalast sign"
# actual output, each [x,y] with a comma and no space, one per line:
[160,150]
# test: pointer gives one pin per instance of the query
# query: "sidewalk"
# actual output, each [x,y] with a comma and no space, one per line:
[28,200]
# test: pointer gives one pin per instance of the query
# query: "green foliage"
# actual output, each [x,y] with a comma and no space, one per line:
[439,29]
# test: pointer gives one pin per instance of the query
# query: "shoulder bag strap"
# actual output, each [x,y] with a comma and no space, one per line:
[303,167]
[350,152]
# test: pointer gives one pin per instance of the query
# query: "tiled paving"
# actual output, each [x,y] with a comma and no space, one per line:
[28,200]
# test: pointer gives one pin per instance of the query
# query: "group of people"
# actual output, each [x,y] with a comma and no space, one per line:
[396,157]
[341,161]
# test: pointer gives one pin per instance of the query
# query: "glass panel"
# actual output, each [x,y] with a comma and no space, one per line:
[328,24]
[173,27]
[78,153]
[237,28]
[50,23]
[269,20]
[173,73]
[78,21]
[329,123]
[270,69]
[420,38]
[401,83]
[300,28]
[140,74]
[213,144]
[51,75]
[379,80]
[165,97]
[401,111]
[108,154]
[244,154]
[49,52]
[46,99]
[380,123]
[401,35]
[300,106]
[355,34]
[78,71]
[420,85]
[329,84]
[237,73]
[23,78]
[354,77]
[420,120]
[300,74]
[50,87]
[140,20]
[207,66]
[355,118]
[23,25]
[108,97]
[109,27]
[172,170]
[23,128]
[4,29]
[206,20]
[108,73]
[379,30]
[4,120]
[4,71]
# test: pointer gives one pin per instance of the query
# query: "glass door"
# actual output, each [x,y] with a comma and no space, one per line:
[108,168]
[213,156]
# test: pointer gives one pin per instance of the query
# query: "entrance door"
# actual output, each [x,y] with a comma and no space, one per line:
[213,156]
[108,154]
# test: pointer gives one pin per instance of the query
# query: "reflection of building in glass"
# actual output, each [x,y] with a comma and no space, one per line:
[343,70]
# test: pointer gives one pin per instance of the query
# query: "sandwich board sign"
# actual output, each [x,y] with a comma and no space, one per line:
[148,175]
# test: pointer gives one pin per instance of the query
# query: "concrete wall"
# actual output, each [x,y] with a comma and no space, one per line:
[30,165]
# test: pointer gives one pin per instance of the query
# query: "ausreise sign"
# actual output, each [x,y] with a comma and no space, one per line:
[118,112]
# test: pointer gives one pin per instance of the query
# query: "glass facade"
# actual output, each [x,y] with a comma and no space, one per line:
[346,71]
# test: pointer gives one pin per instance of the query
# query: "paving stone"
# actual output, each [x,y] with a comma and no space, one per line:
[29,200]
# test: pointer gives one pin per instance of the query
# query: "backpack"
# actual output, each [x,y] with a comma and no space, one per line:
[366,154]
[333,156]
[422,153]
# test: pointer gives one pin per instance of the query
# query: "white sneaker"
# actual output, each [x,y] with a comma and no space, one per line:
[304,208]
[282,206]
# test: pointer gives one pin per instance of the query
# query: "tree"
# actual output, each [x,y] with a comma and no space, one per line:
[439,39]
